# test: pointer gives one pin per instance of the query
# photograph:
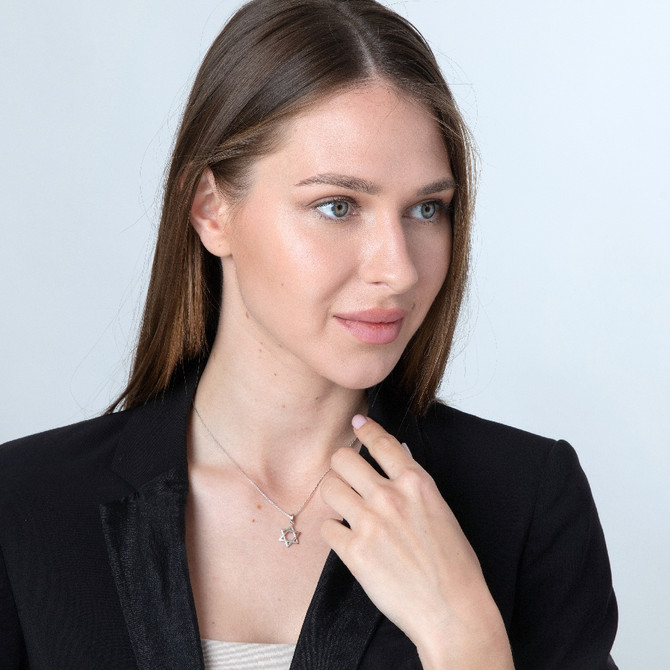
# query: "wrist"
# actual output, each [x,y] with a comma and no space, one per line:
[491,657]
[459,649]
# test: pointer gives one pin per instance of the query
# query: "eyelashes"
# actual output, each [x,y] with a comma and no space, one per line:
[343,208]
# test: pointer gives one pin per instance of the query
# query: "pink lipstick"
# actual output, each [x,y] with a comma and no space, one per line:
[373,326]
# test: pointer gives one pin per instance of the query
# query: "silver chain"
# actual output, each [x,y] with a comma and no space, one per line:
[253,483]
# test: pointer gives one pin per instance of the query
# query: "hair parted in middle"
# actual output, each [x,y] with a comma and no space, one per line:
[273,60]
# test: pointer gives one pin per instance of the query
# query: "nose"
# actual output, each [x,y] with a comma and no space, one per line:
[387,255]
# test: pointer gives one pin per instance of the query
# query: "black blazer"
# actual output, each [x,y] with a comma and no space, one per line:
[93,569]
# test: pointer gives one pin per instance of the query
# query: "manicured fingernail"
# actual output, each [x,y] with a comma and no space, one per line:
[358,421]
[406,448]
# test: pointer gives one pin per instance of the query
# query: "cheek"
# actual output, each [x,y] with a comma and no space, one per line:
[433,264]
[278,264]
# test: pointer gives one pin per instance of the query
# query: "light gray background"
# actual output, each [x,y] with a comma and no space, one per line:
[569,314]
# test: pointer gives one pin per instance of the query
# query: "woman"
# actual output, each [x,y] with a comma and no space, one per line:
[310,267]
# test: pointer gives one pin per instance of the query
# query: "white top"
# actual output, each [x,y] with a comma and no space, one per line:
[246,656]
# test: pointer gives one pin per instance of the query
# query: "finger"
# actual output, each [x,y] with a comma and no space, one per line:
[383,447]
[336,535]
[342,498]
[355,471]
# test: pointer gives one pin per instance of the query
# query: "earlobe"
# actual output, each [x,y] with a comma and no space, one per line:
[208,215]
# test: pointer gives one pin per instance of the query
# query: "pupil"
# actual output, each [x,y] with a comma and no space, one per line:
[340,208]
[428,210]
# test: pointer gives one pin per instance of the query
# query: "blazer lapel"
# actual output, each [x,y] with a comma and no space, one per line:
[144,533]
[339,623]
[145,542]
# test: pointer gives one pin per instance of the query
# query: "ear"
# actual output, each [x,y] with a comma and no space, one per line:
[209,215]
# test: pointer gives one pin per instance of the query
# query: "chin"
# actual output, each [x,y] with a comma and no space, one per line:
[361,379]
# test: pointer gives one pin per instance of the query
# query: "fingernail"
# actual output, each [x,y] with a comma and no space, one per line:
[358,421]
[406,448]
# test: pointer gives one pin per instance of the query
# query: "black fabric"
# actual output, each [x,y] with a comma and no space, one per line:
[339,623]
[147,555]
[93,569]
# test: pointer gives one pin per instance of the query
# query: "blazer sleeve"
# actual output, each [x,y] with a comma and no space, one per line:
[12,648]
[565,614]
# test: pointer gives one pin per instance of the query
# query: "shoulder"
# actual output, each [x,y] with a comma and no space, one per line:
[52,484]
[61,453]
[459,435]
[106,456]
[485,465]
[525,506]
[102,457]
[444,420]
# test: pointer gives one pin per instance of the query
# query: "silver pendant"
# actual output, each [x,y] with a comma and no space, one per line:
[289,535]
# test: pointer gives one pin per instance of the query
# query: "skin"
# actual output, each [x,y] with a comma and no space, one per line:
[350,213]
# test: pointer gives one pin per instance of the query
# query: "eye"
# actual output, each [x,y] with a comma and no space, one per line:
[335,209]
[428,211]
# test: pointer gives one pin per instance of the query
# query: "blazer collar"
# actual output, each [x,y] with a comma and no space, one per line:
[154,439]
[145,538]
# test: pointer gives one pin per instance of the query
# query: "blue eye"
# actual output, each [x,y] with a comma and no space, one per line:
[335,209]
[427,210]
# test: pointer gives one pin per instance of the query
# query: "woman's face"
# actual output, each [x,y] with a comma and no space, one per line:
[343,241]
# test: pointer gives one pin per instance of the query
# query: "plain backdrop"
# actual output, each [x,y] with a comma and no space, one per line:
[567,327]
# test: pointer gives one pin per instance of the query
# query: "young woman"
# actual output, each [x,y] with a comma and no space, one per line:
[310,267]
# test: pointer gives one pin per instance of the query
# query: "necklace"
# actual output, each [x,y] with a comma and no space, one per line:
[289,536]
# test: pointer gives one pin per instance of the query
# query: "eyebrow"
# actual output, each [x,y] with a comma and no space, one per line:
[343,181]
[437,187]
[364,186]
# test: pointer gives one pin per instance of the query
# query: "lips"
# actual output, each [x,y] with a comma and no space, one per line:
[373,326]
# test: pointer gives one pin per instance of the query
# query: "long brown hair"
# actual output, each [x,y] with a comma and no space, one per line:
[273,59]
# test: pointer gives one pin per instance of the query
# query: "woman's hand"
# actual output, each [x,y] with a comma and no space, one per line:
[407,550]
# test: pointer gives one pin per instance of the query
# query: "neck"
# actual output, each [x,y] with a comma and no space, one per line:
[270,419]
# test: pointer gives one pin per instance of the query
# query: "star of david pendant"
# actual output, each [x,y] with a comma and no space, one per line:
[289,535]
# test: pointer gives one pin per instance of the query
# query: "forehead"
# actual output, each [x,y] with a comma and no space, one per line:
[373,131]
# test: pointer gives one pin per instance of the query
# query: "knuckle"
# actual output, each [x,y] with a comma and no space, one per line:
[385,441]
[387,500]
[364,534]
[367,534]
[383,497]
[411,479]
[415,483]
[356,550]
